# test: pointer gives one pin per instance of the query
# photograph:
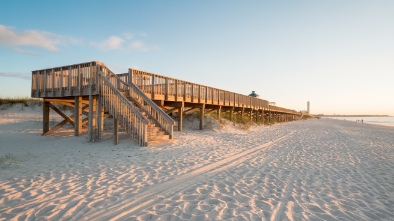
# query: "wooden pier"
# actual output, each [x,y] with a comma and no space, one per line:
[138,101]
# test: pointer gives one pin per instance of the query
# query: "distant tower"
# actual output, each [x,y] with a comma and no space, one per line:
[253,94]
[308,107]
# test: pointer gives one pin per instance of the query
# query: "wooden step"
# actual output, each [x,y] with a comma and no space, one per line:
[156,142]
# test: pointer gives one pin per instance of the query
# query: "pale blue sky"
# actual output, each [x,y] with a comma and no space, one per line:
[337,54]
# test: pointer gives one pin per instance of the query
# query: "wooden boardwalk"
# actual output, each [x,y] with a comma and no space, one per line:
[139,101]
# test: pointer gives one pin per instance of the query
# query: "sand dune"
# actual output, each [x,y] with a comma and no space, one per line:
[310,170]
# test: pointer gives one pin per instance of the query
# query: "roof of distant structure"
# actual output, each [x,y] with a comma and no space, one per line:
[253,94]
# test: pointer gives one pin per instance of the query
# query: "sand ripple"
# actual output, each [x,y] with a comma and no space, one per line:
[311,170]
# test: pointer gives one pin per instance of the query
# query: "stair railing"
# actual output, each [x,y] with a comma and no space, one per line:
[140,101]
[119,107]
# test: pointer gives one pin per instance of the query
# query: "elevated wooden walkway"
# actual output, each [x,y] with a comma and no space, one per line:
[139,101]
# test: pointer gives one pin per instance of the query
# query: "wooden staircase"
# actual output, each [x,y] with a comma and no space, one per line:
[139,115]
[156,136]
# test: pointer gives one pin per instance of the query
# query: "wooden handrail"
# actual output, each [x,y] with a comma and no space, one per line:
[80,79]
[151,109]
[124,100]
[151,103]
[120,108]
[196,93]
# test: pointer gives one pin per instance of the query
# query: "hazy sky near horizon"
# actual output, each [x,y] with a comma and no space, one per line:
[337,54]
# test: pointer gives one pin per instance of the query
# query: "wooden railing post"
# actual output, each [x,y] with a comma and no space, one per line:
[53,81]
[45,82]
[176,90]
[153,87]
[80,78]
[184,91]
[206,94]
[69,79]
[199,94]
[132,77]
[166,89]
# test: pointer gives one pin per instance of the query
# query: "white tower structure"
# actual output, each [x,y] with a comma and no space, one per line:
[308,107]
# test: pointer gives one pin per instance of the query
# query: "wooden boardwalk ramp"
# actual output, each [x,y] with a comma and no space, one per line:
[138,101]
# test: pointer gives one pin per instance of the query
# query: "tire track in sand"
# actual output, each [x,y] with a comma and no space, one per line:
[163,190]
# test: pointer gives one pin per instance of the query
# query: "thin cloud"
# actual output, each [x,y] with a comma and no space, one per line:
[34,38]
[113,42]
[28,52]
[127,42]
[15,75]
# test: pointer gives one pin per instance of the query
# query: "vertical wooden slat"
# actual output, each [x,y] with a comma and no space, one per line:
[202,112]
[77,115]
[116,128]
[45,117]
[153,88]
[180,118]
[176,90]
[53,81]
[70,80]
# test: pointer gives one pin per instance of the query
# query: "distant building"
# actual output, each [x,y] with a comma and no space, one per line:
[253,94]
[308,107]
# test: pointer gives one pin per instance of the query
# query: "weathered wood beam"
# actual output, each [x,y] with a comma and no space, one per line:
[45,117]
[212,106]
[174,103]
[116,129]
[171,110]
[92,126]
[180,118]
[159,102]
[78,115]
[209,111]
[195,105]
[55,128]
[189,110]
[100,119]
[66,100]
[202,110]
[67,118]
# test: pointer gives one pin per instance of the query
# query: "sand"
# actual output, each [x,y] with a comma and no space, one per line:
[308,170]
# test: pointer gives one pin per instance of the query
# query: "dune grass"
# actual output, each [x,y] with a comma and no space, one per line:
[26,101]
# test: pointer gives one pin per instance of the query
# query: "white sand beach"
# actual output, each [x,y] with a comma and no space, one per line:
[307,170]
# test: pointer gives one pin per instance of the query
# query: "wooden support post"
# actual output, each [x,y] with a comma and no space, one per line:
[251,116]
[100,119]
[45,117]
[231,115]
[202,110]
[77,116]
[180,118]
[219,110]
[116,128]
[92,125]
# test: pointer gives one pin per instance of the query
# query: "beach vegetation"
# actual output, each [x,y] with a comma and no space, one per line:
[7,160]
[25,101]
